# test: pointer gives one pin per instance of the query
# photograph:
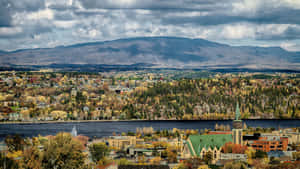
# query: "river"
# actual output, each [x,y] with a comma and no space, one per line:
[106,128]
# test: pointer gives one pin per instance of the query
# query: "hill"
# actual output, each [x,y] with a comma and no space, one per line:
[158,52]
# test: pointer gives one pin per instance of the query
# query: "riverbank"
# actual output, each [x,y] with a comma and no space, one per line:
[98,129]
[136,120]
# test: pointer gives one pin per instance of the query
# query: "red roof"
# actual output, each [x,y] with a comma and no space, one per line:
[219,132]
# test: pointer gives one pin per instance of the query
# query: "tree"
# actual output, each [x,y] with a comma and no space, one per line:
[124,161]
[15,143]
[234,148]
[32,158]
[296,156]
[260,154]
[59,114]
[172,155]
[250,152]
[104,161]
[235,165]
[63,152]
[7,162]
[155,161]
[98,151]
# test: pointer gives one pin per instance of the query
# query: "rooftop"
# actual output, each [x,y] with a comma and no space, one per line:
[207,141]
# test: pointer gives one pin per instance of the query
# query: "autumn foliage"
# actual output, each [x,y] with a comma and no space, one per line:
[234,148]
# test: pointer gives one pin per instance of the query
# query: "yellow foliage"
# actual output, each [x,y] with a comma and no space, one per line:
[84,93]
[14,154]
[203,167]
[155,160]
[59,114]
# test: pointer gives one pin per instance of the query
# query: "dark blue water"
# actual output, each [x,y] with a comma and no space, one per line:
[100,129]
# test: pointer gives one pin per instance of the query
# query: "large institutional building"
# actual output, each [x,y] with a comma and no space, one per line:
[199,145]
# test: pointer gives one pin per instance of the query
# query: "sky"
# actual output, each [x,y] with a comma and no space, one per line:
[50,23]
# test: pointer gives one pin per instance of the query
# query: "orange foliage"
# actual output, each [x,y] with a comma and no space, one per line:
[234,148]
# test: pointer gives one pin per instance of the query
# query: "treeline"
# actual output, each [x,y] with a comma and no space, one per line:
[216,98]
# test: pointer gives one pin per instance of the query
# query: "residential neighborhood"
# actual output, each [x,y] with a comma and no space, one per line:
[146,95]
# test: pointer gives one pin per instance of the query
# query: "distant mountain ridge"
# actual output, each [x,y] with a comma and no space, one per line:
[163,52]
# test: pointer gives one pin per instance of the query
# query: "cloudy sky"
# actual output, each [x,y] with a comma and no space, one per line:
[49,23]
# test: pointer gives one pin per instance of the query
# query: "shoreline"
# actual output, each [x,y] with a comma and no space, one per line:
[88,121]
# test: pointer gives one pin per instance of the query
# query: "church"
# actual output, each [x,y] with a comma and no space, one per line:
[199,145]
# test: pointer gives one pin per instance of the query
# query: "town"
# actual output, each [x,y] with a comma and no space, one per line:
[149,84]
[223,147]
[49,97]
[146,95]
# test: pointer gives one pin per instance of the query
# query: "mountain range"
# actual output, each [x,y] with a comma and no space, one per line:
[157,52]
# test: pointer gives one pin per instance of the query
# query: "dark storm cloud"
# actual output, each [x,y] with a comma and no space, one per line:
[281,15]
[59,7]
[65,16]
[72,20]
[5,14]
[291,33]
[27,5]
[217,19]
[151,5]
[277,16]
[219,12]
[10,7]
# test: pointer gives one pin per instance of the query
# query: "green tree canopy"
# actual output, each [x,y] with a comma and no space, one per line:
[98,151]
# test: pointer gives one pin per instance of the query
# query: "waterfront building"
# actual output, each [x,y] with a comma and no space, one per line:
[199,145]
[292,134]
[15,116]
[122,142]
[269,143]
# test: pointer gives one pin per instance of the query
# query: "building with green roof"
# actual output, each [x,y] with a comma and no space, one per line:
[198,145]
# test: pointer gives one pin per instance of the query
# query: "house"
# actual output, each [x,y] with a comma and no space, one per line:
[86,109]
[42,105]
[15,116]
[199,145]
